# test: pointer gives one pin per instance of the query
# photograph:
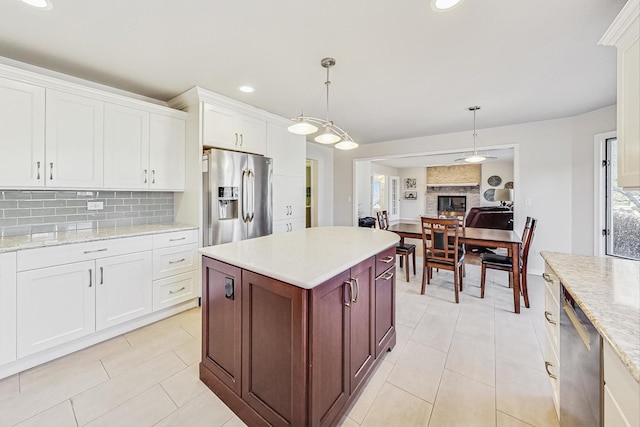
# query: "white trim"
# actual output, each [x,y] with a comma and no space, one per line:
[599,210]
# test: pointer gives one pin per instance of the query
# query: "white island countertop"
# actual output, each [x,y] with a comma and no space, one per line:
[608,291]
[304,258]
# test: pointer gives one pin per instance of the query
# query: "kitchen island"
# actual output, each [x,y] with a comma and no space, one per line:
[294,323]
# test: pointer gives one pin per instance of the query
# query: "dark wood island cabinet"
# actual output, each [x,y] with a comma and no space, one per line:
[297,354]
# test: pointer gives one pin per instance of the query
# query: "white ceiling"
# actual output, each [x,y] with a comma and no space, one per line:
[400,162]
[402,69]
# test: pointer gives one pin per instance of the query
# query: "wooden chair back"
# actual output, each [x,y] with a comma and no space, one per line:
[440,239]
[383,221]
[527,237]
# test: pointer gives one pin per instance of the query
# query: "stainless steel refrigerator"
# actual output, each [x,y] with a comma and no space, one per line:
[237,196]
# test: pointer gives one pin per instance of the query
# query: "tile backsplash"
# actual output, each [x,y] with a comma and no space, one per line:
[32,212]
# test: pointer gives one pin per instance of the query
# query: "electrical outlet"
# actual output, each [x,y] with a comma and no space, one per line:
[95,206]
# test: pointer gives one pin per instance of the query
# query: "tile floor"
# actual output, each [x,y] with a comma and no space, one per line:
[470,364]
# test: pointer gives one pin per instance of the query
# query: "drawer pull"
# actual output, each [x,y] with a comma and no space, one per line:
[90,278]
[102,275]
[177,261]
[386,276]
[179,238]
[546,366]
[387,259]
[547,278]
[179,290]
[95,250]
[547,315]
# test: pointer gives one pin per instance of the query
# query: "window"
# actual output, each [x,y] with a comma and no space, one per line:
[622,218]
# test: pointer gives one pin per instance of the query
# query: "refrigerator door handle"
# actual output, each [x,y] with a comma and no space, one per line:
[252,178]
[245,215]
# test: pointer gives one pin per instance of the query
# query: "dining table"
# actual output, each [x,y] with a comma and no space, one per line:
[485,237]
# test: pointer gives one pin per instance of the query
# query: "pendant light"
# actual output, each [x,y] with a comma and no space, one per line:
[474,157]
[331,133]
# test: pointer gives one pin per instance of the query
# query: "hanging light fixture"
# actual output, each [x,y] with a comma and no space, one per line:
[331,133]
[474,157]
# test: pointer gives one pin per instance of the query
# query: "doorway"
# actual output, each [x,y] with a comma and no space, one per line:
[311,193]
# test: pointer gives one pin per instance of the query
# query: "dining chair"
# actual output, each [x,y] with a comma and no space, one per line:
[442,250]
[404,250]
[505,263]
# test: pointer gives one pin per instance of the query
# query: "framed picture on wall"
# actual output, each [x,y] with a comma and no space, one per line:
[411,195]
[410,183]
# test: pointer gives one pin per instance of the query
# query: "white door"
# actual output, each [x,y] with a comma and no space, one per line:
[126,147]
[252,134]
[167,153]
[74,141]
[218,128]
[7,307]
[394,198]
[288,197]
[123,288]
[54,305]
[21,134]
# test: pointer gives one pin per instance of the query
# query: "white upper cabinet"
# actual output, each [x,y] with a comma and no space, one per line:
[21,134]
[74,141]
[166,153]
[226,128]
[126,147]
[287,150]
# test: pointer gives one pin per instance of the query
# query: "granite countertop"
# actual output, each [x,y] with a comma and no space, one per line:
[305,258]
[608,291]
[16,243]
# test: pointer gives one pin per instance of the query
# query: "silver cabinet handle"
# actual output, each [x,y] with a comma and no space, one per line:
[236,139]
[175,240]
[102,275]
[145,176]
[51,170]
[357,289]
[546,366]
[387,259]
[547,316]
[179,290]
[547,277]
[387,276]
[350,283]
[241,140]
[38,173]
[90,278]
[177,261]
[153,176]
[96,250]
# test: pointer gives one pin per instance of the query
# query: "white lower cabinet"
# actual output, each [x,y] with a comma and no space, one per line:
[54,305]
[123,288]
[7,307]
[174,289]
[552,328]
[621,392]
[287,225]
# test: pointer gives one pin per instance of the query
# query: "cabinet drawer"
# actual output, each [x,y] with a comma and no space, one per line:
[552,317]
[174,260]
[552,281]
[65,254]
[623,389]
[176,238]
[385,259]
[174,290]
[552,366]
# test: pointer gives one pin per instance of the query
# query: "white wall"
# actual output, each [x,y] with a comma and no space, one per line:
[543,170]
[411,210]
[324,156]
[502,169]
[362,197]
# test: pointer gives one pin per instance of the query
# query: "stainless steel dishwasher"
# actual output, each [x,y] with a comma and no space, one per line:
[581,374]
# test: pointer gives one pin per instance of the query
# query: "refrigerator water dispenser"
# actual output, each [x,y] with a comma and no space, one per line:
[227,203]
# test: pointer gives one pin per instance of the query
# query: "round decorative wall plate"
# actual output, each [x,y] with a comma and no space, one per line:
[488,195]
[508,185]
[494,180]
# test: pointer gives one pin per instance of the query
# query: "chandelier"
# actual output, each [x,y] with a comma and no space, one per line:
[331,133]
[474,157]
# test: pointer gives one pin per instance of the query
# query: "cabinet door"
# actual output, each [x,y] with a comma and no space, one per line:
[218,128]
[123,288]
[288,197]
[274,345]
[329,348]
[21,134]
[362,324]
[7,307]
[287,150]
[167,153]
[54,305]
[74,141]
[126,147]
[385,301]
[252,134]
[221,321]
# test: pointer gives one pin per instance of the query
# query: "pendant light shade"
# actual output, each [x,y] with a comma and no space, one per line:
[306,125]
[474,156]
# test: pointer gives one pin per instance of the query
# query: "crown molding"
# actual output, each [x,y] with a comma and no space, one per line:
[626,24]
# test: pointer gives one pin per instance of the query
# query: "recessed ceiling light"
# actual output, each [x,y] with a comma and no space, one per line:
[246,89]
[40,4]
[442,5]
